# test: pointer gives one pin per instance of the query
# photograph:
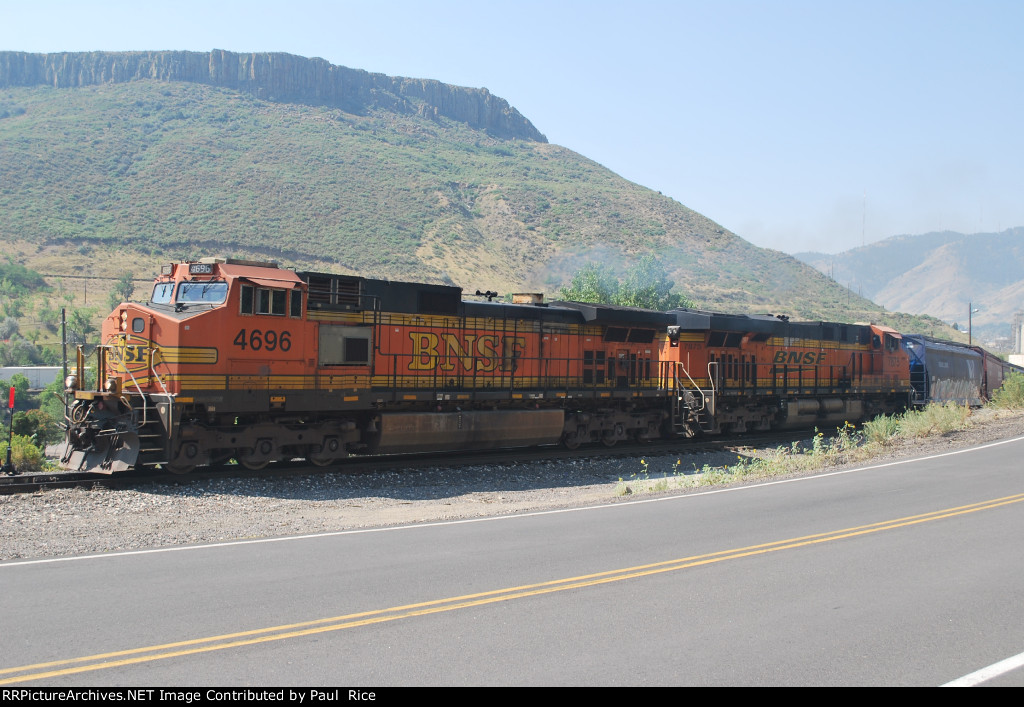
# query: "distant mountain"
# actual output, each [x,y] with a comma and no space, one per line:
[938,274]
[120,161]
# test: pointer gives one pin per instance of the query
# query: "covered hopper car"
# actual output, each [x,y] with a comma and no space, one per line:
[950,372]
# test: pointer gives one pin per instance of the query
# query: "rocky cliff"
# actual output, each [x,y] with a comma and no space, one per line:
[274,77]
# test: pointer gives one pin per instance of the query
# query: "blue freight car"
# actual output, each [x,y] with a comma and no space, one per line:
[944,371]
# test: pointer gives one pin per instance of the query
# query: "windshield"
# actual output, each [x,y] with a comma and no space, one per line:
[211,292]
[162,293]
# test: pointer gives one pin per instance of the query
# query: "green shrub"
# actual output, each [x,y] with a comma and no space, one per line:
[24,454]
[882,430]
[1010,395]
[934,419]
[38,426]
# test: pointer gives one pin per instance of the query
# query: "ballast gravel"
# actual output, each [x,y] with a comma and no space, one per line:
[60,522]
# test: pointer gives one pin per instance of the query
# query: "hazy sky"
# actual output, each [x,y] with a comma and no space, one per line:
[797,125]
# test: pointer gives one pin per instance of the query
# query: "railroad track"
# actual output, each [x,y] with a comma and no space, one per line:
[30,483]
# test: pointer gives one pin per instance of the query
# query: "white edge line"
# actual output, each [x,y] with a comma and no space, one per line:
[489,519]
[992,671]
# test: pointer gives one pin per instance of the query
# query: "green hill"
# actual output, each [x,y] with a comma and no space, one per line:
[118,162]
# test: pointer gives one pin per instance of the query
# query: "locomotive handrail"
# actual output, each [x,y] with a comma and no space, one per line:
[711,375]
[703,398]
[711,380]
[138,387]
[152,351]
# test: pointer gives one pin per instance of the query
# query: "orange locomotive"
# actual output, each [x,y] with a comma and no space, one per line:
[235,359]
[735,373]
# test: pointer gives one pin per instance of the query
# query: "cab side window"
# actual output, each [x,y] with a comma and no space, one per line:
[263,300]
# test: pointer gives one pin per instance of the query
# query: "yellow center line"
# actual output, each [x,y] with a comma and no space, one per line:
[307,628]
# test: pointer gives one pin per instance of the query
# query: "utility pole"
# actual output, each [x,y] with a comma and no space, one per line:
[64,347]
[970,312]
[8,467]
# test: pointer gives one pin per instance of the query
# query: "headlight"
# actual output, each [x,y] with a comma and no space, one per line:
[71,382]
[111,385]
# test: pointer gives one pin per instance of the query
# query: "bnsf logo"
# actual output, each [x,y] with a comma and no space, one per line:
[804,358]
[132,353]
[482,353]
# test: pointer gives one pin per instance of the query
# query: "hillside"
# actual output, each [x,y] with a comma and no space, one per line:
[939,274]
[115,162]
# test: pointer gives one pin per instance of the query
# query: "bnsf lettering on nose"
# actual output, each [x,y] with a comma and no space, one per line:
[801,358]
[134,354]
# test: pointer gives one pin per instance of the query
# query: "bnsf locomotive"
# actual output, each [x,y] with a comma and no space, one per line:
[236,359]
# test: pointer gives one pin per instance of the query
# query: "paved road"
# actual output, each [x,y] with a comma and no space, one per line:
[904,574]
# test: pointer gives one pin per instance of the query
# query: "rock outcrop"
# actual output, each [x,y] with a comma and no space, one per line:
[274,77]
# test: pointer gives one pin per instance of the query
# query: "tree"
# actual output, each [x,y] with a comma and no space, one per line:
[39,426]
[8,328]
[21,385]
[13,307]
[122,291]
[647,286]
[80,326]
[19,352]
[592,283]
[51,400]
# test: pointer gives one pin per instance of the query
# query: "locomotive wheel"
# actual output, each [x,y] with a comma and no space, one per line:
[329,451]
[571,441]
[186,459]
[258,457]
[608,440]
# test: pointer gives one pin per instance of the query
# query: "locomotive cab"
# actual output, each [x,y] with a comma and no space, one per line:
[163,362]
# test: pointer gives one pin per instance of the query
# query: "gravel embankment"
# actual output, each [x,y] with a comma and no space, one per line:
[76,521]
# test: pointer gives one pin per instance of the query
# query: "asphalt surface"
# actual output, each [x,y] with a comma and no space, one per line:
[909,573]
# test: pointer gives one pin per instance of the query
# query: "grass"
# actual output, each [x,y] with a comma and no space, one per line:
[932,420]
[848,444]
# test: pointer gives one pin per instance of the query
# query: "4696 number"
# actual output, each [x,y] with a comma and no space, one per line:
[269,340]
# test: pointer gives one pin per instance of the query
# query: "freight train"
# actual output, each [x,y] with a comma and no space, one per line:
[233,359]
